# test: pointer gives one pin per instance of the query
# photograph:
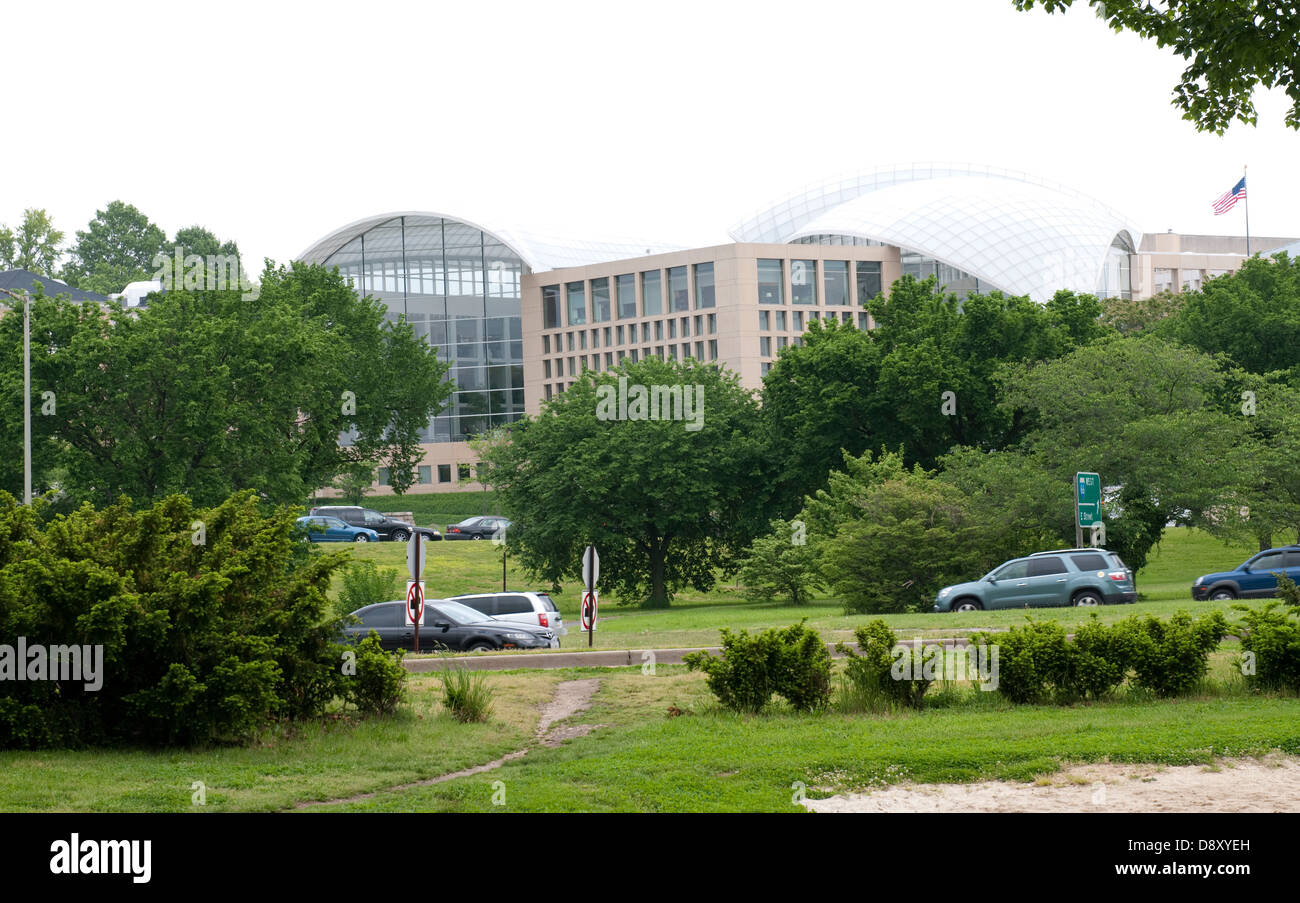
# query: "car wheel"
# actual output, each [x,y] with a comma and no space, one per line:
[400,536]
[1088,599]
[481,646]
[361,537]
[967,605]
[1222,595]
[476,537]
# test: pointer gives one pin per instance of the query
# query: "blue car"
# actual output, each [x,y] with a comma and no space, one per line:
[1252,580]
[330,529]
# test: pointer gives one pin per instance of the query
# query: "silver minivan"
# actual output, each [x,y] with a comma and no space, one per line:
[535,609]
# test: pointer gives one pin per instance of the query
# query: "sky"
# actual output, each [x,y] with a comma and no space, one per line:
[274,123]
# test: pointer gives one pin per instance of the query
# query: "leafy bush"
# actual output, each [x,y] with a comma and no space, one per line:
[1034,661]
[363,583]
[779,566]
[379,686]
[1171,657]
[790,661]
[1100,657]
[1273,637]
[209,632]
[465,693]
[878,676]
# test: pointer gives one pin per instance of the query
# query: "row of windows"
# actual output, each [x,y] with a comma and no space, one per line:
[767,317]
[602,299]
[1191,280]
[621,335]
[833,280]
[424,474]
[575,365]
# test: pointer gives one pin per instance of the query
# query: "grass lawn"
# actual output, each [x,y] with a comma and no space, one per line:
[694,618]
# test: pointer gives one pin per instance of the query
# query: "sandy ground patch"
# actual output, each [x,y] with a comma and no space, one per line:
[1270,784]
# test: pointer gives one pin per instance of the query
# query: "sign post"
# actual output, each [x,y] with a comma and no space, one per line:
[590,574]
[1087,504]
[415,553]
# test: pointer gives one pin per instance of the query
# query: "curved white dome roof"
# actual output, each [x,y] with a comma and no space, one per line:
[1024,235]
[538,252]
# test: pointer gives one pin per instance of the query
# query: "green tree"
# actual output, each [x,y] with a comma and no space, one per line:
[1234,47]
[667,502]
[117,248]
[34,246]
[1132,315]
[1252,315]
[780,565]
[1147,415]
[354,482]
[207,393]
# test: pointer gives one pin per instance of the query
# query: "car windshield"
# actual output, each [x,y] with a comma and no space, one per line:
[461,614]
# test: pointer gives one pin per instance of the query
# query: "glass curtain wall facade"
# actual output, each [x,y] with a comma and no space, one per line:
[459,288]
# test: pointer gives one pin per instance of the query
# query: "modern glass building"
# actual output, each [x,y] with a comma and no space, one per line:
[520,316]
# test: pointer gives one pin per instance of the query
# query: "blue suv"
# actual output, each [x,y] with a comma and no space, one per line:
[1253,579]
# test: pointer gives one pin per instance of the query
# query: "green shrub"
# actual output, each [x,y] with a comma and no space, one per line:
[791,662]
[1171,657]
[210,633]
[465,693]
[1099,659]
[1034,661]
[362,584]
[777,567]
[1272,636]
[880,677]
[379,686]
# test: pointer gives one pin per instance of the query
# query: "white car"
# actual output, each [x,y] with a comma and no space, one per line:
[535,609]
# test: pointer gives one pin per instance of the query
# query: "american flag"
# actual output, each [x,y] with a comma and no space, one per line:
[1229,200]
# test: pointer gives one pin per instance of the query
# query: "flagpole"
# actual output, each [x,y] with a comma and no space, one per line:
[1243,177]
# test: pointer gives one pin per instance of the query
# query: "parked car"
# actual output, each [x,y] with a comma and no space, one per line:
[1253,579]
[447,625]
[385,526]
[536,609]
[319,528]
[482,527]
[1061,577]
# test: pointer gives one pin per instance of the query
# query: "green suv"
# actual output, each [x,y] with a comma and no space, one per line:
[1061,577]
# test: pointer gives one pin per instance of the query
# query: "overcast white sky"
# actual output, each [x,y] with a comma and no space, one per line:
[274,123]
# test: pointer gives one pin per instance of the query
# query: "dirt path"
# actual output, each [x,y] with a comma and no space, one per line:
[571,697]
[1270,784]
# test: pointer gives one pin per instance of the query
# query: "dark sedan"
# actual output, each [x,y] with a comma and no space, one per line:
[447,625]
[484,527]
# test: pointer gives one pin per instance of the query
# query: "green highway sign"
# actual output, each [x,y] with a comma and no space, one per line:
[1087,498]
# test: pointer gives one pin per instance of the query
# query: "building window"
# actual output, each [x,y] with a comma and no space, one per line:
[609,335]
[713,324]
[780,321]
[582,340]
[782,342]
[609,359]
[652,301]
[645,332]
[796,318]
[546,368]
[704,295]
[595,338]
[632,354]
[577,303]
[572,363]
[862,322]
[713,349]
[766,367]
[1164,279]
[764,321]
[569,335]
[868,280]
[444,471]
[678,295]
[765,346]
[621,335]
[621,354]
[600,300]
[699,330]
[672,352]
[672,329]
[771,274]
[383,476]
[659,330]
[546,344]
[550,307]
[462,473]
[548,391]
[425,474]
[803,281]
[625,292]
[699,351]
[835,278]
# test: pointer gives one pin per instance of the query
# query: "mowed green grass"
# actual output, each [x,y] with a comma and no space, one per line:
[642,759]
[314,761]
[695,618]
